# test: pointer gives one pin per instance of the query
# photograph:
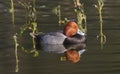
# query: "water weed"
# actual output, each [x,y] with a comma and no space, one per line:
[30,16]
[16,52]
[12,11]
[101,36]
[80,14]
[57,11]
[15,38]
[31,23]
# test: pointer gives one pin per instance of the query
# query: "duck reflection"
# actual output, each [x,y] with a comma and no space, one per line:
[72,52]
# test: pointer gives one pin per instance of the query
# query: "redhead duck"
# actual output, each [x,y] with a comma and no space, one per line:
[70,35]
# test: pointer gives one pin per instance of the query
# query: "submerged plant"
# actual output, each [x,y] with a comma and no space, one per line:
[16,52]
[101,36]
[81,17]
[12,11]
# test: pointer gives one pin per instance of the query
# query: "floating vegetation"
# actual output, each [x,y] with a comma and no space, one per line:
[12,11]
[81,17]
[16,52]
[101,36]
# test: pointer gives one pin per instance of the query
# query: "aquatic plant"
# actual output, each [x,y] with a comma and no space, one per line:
[15,38]
[57,11]
[33,52]
[12,11]
[80,14]
[31,23]
[16,52]
[101,36]
[62,58]
[30,16]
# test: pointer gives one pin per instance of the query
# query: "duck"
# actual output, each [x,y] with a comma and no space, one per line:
[71,34]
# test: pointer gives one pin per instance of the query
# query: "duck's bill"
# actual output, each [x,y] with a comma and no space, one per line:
[80,32]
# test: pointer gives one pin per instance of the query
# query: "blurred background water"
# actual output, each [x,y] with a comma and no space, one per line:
[94,60]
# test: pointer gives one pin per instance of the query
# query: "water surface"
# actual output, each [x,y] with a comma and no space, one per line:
[94,60]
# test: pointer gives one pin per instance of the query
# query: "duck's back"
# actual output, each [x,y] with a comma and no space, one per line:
[52,38]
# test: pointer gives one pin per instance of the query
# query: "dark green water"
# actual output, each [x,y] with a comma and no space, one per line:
[94,61]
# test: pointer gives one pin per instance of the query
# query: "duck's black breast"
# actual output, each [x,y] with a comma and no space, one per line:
[75,39]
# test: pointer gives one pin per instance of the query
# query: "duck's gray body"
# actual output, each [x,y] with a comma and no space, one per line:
[58,38]
[52,38]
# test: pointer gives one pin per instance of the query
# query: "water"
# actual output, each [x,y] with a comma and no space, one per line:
[94,60]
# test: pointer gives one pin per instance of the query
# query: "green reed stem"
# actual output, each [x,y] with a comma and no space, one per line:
[12,11]
[57,11]
[59,14]
[102,37]
[16,52]
[34,29]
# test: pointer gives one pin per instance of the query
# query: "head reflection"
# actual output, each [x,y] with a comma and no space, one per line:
[71,52]
[73,55]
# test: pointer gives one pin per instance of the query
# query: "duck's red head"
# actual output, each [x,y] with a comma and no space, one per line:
[70,29]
